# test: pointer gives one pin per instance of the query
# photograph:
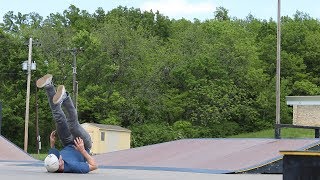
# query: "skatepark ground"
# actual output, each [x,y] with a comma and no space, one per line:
[189,159]
[25,171]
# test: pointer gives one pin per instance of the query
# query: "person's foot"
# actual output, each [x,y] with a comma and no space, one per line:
[45,80]
[60,95]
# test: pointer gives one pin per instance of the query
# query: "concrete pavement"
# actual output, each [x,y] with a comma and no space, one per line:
[26,171]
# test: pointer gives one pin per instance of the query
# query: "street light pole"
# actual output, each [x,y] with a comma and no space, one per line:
[75,52]
[38,143]
[74,77]
[26,126]
[277,128]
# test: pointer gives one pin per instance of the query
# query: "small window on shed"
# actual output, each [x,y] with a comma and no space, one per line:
[102,136]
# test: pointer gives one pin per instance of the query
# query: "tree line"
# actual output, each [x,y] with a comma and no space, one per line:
[162,78]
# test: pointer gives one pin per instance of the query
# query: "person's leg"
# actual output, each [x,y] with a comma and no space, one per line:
[57,113]
[76,129]
[72,118]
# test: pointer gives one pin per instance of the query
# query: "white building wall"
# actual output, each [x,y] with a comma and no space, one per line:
[306,115]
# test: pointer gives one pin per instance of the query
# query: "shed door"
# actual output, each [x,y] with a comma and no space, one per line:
[112,141]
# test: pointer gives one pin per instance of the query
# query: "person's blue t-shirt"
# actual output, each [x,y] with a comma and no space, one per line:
[74,162]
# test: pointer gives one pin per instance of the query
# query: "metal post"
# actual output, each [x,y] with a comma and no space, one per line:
[37,120]
[277,128]
[316,133]
[27,98]
[74,52]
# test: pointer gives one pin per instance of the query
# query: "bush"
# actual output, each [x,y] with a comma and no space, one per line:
[152,133]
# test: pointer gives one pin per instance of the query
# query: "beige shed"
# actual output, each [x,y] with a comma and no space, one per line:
[107,138]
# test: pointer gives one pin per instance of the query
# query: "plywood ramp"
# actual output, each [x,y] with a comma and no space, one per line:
[11,152]
[204,155]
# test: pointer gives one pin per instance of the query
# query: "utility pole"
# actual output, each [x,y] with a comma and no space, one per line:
[29,66]
[38,143]
[27,98]
[277,128]
[75,52]
[74,77]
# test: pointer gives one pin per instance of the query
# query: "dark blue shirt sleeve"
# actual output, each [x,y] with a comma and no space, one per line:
[78,167]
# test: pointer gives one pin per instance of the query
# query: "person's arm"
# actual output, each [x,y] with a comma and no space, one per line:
[79,145]
[52,138]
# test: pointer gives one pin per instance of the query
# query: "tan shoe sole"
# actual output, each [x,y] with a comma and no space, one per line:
[57,98]
[46,79]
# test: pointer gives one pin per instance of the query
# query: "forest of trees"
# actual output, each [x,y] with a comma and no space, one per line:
[164,79]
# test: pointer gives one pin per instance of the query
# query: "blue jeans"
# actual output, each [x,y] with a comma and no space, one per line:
[68,127]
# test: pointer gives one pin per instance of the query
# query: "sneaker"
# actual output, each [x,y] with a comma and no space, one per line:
[60,95]
[45,80]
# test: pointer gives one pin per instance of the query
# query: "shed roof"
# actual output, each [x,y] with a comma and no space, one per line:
[303,100]
[109,127]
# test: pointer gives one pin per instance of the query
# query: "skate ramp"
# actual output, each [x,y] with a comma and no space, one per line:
[215,156]
[204,155]
[11,152]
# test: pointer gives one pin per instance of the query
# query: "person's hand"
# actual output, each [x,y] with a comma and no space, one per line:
[79,145]
[52,138]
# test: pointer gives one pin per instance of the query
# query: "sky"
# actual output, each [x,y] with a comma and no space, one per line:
[174,9]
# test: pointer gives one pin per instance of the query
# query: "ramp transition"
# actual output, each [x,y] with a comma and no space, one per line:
[205,155]
[11,152]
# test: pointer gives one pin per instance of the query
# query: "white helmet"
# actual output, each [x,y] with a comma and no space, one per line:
[51,162]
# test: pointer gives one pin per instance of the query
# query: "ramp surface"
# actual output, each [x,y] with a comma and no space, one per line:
[11,152]
[213,156]
[204,155]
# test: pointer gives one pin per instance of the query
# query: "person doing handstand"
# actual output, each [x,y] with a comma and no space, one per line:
[74,157]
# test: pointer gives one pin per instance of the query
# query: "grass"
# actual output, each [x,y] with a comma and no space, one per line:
[285,133]
[39,156]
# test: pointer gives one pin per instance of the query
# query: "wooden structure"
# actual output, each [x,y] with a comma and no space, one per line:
[301,165]
[107,138]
